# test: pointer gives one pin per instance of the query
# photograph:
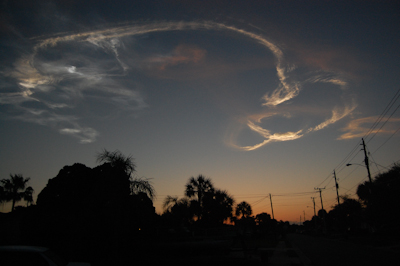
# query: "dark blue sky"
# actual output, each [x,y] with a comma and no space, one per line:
[261,96]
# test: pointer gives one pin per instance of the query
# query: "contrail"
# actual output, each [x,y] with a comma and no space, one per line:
[32,80]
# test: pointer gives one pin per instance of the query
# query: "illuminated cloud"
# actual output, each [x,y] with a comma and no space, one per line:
[85,135]
[91,63]
[337,114]
[358,128]
[254,121]
[264,133]
[182,54]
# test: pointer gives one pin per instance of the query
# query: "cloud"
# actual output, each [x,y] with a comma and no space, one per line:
[85,135]
[337,114]
[360,127]
[266,134]
[182,54]
[294,111]
[70,73]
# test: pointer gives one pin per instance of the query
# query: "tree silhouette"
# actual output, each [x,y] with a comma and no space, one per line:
[104,209]
[142,185]
[197,188]
[211,206]
[178,212]
[28,196]
[124,168]
[14,188]
[263,218]
[346,215]
[217,207]
[3,197]
[169,202]
[348,206]
[75,187]
[117,160]
[243,209]
[380,198]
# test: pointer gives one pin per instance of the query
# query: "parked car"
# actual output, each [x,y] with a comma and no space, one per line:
[29,255]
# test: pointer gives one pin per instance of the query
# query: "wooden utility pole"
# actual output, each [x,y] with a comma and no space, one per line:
[320,195]
[366,160]
[337,187]
[313,200]
[322,206]
[272,209]
[315,215]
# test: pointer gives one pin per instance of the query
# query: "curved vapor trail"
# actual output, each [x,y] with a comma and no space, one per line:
[31,80]
[284,92]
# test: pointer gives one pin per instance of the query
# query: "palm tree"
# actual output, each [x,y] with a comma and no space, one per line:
[28,196]
[218,206]
[243,209]
[169,202]
[178,212]
[141,184]
[122,169]
[199,187]
[13,187]
[125,168]
[117,160]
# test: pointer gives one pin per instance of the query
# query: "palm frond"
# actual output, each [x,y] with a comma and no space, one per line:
[141,184]
[169,202]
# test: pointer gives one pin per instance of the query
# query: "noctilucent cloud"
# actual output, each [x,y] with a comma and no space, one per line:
[263,98]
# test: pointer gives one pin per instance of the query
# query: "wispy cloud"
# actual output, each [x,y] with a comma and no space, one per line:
[65,72]
[88,67]
[359,127]
[319,113]
[85,135]
[182,54]
[337,114]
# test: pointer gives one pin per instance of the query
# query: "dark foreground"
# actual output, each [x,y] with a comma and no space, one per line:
[212,251]
[324,251]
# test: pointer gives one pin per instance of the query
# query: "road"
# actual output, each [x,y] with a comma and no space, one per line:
[330,252]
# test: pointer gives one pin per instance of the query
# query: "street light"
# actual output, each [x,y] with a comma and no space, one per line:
[366,161]
[355,164]
[369,175]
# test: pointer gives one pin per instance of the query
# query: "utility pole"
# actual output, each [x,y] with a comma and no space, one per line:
[337,187]
[272,209]
[366,160]
[315,215]
[304,214]
[320,189]
[322,206]
[313,200]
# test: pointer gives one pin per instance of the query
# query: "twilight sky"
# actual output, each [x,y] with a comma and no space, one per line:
[260,96]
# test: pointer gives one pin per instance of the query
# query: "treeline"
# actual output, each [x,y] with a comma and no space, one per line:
[373,212]
[84,213]
[105,215]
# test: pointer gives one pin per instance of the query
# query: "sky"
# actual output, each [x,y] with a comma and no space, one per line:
[263,97]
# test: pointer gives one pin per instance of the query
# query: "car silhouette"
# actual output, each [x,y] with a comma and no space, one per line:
[33,256]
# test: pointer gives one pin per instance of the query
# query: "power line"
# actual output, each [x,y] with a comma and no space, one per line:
[384,123]
[340,166]
[387,140]
[295,194]
[384,112]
